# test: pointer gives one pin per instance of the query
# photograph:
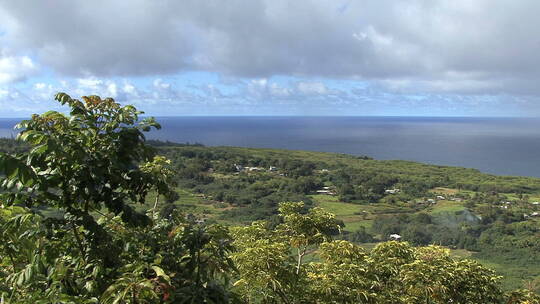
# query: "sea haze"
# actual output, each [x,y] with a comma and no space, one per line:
[504,146]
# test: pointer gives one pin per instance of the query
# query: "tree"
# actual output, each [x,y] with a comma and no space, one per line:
[161,176]
[342,272]
[90,168]
[305,230]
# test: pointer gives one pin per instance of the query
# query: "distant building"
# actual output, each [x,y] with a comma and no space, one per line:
[395,237]
[391,191]
[535,203]
[272,168]
[325,191]
[440,197]
[535,214]
[200,221]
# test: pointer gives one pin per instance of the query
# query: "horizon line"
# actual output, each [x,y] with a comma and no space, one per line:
[314,116]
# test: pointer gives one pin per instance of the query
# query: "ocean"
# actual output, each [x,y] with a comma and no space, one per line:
[502,146]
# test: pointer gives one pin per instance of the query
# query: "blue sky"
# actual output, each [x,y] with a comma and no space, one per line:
[274,57]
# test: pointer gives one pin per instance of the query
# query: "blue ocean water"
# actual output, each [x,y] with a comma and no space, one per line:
[503,146]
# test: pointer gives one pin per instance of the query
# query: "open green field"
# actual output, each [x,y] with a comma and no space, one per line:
[353,215]
[446,206]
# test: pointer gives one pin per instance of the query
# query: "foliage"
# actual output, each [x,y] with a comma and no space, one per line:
[93,165]
[393,272]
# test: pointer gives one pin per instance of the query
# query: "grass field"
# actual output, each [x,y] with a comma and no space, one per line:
[446,206]
[353,215]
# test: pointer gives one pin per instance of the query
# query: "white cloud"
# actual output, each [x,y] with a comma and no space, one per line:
[158,83]
[89,83]
[39,85]
[312,88]
[15,68]
[492,44]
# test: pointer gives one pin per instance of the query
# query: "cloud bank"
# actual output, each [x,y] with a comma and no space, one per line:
[484,46]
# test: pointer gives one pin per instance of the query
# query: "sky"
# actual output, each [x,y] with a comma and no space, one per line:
[274,57]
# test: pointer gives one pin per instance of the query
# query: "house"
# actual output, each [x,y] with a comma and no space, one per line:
[391,191]
[431,201]
[272,169]
[326,191]
[535,214]
[395,237]
[440,197]
[536,203]
[200,221]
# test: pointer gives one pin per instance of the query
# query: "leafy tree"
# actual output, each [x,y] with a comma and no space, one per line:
[161,176]
[342,272]
[305,230]
[92,166]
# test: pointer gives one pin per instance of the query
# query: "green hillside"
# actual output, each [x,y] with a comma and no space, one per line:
[90,213]
[473,219]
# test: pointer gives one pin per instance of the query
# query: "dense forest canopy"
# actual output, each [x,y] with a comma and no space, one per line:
[90,213]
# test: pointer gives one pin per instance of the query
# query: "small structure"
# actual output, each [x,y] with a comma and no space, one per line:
[395,237]
[535,214]
[391,191]
[200,221]
[440,197]
[326,190]
[323,192]
[431,201]
[272,169]
[536,203]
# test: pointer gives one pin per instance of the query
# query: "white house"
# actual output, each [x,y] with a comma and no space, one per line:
[391,191]
[325,191]
[395,237]
[440,197]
